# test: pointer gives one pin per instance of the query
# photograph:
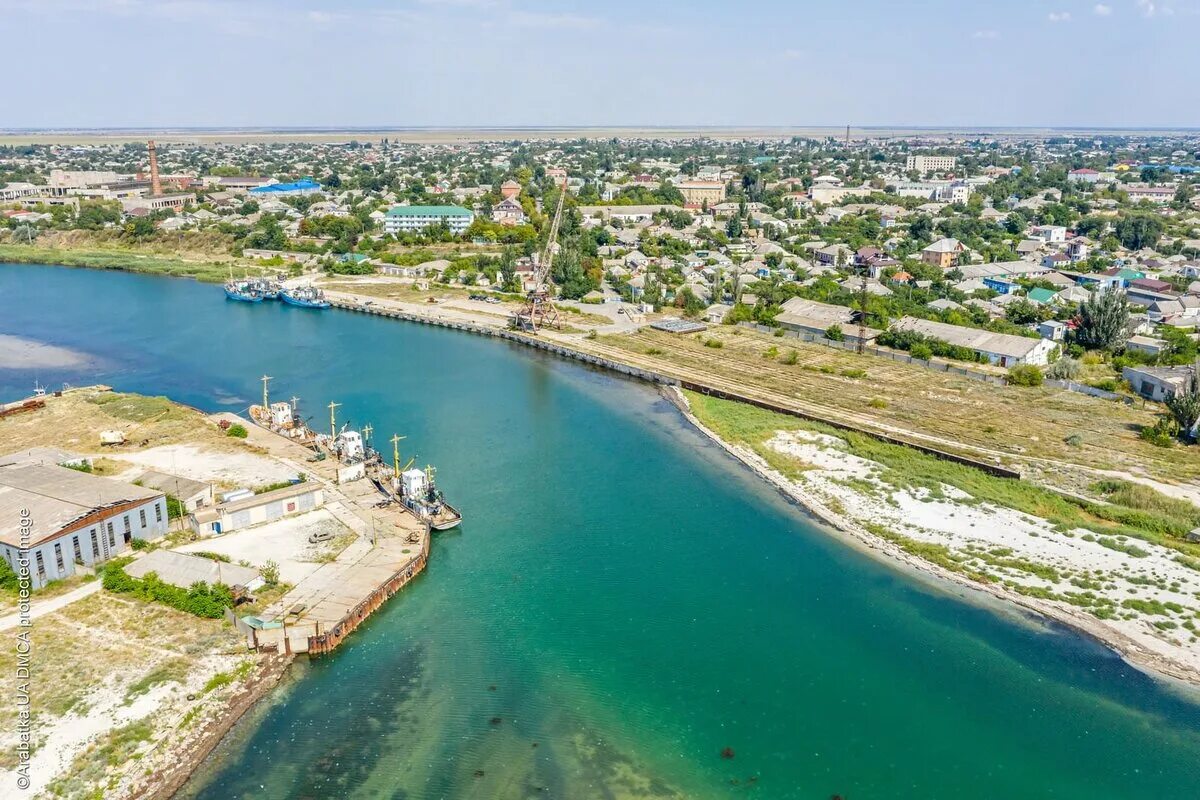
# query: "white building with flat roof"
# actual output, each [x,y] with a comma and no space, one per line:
[931,163]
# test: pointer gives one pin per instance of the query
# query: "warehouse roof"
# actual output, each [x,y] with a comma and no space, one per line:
[1002,344]
[177,487]
[183,569]
[57,499]
[53,456]
[302,185]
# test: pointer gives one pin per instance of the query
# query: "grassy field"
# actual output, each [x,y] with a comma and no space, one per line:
[128,260]
[1061,438]
[1120,508]
[72,422]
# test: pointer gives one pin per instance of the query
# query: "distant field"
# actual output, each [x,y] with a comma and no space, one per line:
[474,134]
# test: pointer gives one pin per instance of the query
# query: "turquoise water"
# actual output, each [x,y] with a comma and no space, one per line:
[623,601]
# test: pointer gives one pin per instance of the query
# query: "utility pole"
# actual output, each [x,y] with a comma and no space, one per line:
[863,294]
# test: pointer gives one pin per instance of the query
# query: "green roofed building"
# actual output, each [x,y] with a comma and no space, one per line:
[1042,296]
[407,219]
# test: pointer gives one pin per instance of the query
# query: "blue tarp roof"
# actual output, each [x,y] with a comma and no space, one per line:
[304,184]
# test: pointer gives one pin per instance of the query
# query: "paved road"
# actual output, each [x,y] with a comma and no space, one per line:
[40,608]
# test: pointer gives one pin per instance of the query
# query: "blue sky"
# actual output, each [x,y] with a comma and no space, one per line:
[111,63]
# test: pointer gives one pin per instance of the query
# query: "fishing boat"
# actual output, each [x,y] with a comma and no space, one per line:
[242,291]
[268,288]
[304,297]
[282,418]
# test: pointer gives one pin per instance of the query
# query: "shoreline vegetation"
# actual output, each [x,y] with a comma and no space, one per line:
[122,259]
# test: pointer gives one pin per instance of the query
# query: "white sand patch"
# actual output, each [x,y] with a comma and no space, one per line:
[188,461]
[284,541]
[821,451]
[1004,543]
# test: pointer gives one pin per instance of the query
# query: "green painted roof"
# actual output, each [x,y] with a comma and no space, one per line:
[428,211]
[1041,295]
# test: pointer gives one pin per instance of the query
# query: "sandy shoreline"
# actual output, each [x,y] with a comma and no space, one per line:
[17,352]
[1153,662]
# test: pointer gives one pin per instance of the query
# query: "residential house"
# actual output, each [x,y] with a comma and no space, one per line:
[944,253]
[1002,349]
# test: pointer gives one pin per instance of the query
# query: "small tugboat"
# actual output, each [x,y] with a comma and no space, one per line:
[420,495]
[282,418]
[304,297]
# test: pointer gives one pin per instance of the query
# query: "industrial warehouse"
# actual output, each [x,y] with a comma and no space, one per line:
[73,519]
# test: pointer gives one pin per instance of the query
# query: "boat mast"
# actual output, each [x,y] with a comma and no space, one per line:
[396,454]
[332,421]
[265,379]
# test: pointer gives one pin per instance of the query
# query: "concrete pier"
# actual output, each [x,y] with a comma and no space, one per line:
[323,608]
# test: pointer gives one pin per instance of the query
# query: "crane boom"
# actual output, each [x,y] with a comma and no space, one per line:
[539,309]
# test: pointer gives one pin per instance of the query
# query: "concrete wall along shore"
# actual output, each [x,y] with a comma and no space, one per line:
[668,380]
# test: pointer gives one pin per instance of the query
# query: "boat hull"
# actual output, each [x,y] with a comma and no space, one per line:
[292,301]
[447,521]
[242,298]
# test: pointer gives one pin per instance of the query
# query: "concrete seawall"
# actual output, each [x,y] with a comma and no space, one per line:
[662,379]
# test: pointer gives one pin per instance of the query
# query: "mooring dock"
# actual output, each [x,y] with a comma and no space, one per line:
[392,548]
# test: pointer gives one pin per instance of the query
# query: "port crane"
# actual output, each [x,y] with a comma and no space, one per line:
[539,309]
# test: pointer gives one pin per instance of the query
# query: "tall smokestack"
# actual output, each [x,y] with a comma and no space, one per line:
[155,183]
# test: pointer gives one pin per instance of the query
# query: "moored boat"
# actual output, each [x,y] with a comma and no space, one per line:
[242,291]
[268,288]
[420,495]
[304,297]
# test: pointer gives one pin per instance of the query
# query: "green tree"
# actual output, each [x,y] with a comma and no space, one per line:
[1136,231]
[1102,322]
[1184,403]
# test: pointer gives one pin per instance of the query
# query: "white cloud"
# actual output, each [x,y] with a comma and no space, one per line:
[988,34]
[1149,8]
[532,19]
[1059,16]
[1102,10]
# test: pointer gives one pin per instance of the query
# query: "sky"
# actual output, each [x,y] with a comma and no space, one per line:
[477,63]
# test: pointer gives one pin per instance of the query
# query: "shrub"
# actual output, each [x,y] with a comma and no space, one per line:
[1065,369]
[1161,433]
[199,599]
[270,573]
[237,431]
[771,352]
[1025,375]
[715,344]
[854,373]
[878,402]
[834,333]
[921,351]
[1074,440]
[792,357]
